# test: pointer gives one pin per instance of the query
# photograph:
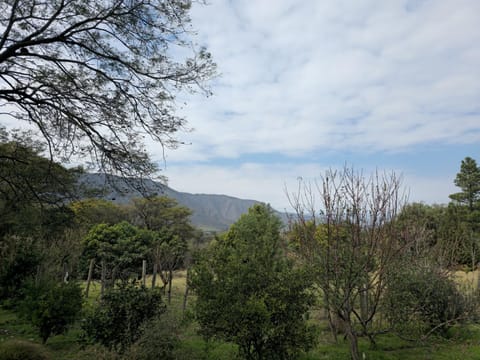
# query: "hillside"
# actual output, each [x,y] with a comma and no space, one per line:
[210,211]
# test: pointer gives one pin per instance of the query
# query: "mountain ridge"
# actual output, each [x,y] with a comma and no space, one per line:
[213,212]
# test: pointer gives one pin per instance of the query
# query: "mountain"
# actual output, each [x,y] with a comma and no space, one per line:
[210,212]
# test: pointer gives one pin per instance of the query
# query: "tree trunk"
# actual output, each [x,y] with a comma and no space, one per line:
[144,273]
[364,311]
[89,277]
[170,278]
[353,341]
[154,274]
[185,295]
[103,279]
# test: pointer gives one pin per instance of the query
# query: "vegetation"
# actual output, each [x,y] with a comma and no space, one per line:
[51,307]
[117,321]
[88,97]
[248,293]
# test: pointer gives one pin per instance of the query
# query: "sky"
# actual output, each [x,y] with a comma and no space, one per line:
[304,86]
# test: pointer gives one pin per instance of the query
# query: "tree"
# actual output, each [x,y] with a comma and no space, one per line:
[119,248]
[171,223]
[250,294]
[468,180]
[117,321]
[351,242]
[51,307]
[96,77]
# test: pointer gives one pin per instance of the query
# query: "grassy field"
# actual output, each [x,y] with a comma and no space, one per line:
[463,342]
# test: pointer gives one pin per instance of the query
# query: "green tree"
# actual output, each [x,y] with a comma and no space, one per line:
[95,76]
[250,294]
[117,321]
[171,222]
[468,180]
[51,307]
[120,248]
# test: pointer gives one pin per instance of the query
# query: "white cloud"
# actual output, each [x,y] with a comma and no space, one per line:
[367,75]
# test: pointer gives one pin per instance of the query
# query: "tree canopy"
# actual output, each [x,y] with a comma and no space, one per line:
[96,77]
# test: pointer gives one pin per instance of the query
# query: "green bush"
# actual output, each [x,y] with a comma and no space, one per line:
[22,350]
[423,299]
[117,321]
[51,307]
[160,339]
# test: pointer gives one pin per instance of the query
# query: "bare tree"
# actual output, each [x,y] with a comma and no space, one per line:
[95,77]
[351,242]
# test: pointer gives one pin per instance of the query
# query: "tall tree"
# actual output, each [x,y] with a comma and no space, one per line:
[95,77]
[350,243]
[250,294]
[468,180]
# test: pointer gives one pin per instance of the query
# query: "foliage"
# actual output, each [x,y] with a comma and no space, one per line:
[122,247]
[20,258]
[117,321]
[421,299]
[160,339]
[51,307]
[22,350]
[95,77]
[349,242]
[90,212]
[248,293]
[468,180]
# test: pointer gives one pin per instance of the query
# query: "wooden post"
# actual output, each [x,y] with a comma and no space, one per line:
[154,275]
[144,272]
[185,295]
[103,276]
[89,277]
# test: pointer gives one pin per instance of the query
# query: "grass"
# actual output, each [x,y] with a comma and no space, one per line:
[463,342]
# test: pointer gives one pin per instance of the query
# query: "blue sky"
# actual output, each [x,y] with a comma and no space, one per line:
[309,85]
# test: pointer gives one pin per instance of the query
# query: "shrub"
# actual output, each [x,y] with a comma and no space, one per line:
[51,307]
[159,340]
[117,321]
[22,350]
[423,299]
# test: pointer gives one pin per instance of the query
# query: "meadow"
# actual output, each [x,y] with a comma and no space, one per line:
[462,342]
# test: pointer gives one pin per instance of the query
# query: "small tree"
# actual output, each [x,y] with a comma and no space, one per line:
[51,307]
[248,293]
[117,321]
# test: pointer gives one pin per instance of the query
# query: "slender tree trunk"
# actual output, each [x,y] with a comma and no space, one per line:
[103,279]
[89,277]
[185,295]
[154,274]
[352,340]
[170,278]
[363,293]
[144,273]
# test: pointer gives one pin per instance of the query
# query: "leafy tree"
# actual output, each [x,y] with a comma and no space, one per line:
[468,180]
[117,321]
[51,307]
[120,247]
[95,77]
[171,222]
[250,294]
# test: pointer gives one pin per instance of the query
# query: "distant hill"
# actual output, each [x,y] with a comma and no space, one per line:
[210,212]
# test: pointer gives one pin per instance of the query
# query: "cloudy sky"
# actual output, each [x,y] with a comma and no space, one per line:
[309,85]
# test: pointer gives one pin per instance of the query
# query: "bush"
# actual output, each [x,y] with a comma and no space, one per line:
[51,307]
[160,339]
[22,350]
[117,321]
[422,299]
